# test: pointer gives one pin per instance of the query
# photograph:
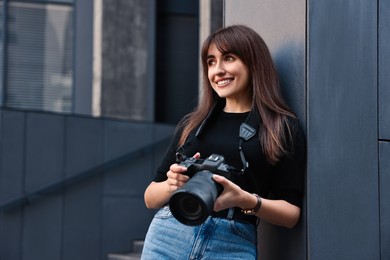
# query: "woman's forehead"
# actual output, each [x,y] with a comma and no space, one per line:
[220,46]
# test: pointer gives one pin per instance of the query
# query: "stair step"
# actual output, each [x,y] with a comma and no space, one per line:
[125,256]
[137,246]
[134,255]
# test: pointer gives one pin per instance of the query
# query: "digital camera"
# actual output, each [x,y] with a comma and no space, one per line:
[194,201]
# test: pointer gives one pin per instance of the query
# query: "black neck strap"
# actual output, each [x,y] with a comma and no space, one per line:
[248,129]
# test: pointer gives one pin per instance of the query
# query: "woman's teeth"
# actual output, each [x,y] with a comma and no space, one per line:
[224,82]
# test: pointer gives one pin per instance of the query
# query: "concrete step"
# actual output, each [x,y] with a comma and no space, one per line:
[135,254]
[137,246]
[124,256]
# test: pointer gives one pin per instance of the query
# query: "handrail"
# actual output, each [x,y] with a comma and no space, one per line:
[27,197]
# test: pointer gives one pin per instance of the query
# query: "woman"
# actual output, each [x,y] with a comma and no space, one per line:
[241,86]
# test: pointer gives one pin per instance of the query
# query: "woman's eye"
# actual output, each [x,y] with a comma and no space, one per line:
[229,58]
[210,62]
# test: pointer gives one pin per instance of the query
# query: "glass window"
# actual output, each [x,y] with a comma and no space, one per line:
[1,50]
[39,46]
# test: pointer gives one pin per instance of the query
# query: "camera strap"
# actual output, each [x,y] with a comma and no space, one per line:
[248,129]
[188,143]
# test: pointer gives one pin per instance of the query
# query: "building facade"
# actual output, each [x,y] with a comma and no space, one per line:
[89,96]
[90,92]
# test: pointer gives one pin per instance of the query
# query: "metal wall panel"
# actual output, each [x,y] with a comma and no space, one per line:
[384,69]
[42,229]
[82,206]
[123,137]
[343,206]
[84,144]
[384,176]
[44,149]
[11,234]
[125,216]
[129,178]
[82,220]
[12,154]
[125,219]
[11,181]
[282,26]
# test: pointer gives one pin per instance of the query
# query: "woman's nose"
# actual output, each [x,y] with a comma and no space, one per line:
[220,69]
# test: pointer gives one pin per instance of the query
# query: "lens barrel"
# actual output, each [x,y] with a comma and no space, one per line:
[194,202]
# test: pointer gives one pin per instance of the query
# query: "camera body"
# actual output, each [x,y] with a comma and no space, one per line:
[194,201]
[214,163]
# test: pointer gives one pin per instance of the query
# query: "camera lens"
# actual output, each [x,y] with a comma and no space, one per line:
[190,207]
[194,202]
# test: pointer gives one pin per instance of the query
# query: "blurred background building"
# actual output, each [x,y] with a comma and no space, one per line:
[91,90]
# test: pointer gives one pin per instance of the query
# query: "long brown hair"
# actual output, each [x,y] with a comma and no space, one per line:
[267,99]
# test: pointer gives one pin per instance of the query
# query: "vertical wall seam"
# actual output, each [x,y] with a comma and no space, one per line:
[306,69]
[378,123]
[101,183]
[24,159]
[64,190]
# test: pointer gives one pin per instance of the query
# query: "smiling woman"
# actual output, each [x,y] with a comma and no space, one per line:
[229,77]
[242,116]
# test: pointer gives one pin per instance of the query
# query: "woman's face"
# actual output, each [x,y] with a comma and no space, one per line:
[228,75]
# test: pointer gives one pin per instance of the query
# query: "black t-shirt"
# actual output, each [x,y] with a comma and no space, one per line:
[284,180]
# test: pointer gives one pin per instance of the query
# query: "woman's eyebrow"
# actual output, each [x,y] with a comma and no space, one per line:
[210,56]
[228,53]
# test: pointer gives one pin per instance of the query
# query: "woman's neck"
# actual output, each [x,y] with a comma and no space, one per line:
[237,107]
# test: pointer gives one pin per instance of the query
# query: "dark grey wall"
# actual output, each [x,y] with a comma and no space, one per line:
[333,58]
[384,125]
[343,203]
[82,220]
[384,69]
[384,176]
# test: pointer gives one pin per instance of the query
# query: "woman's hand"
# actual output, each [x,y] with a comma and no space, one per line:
[176,176]
[157,194]
[277,212]
[231,195]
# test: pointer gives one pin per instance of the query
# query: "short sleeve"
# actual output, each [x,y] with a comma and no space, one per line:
[169,158]
[288,176]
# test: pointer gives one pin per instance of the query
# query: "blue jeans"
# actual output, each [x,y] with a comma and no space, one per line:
[216,238]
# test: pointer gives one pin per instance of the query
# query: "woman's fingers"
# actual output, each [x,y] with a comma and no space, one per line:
[176,177]
[231,193]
